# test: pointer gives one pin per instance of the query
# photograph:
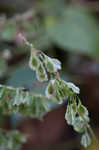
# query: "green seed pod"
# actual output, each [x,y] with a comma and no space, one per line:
[34,62]
[49,90]
[52,65]
[79,125]
[57,65]
[74,88]
[41,73]
[60,90]
[18,97]
[68,115]
[83,111]
[85,140]
[71,112]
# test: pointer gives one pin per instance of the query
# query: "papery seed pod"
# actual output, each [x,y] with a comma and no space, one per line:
[68,115]
[74,88]
[18,97]
[60,90]
[82,109]
[85,140]
[49,65]
[49,90]
[52,65]
[71,112]
[34,62]
[79,125]
[57,65]
[41,73]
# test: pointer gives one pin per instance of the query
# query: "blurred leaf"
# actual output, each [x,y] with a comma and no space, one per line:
[77,31]
[11,140]
[9,31]
[23,76]
[26,77]
[3,67]
[52,7]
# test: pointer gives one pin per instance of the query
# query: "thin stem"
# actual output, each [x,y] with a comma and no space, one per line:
[25,41]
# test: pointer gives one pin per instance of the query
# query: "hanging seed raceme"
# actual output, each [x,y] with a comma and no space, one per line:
[29,104]
[57,89]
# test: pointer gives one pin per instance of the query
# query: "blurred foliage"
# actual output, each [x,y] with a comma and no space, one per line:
[61,28]
[71,27]
[77,30]
[16,100]
[3,67]
[11,140]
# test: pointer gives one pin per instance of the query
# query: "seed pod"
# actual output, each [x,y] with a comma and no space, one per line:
[79,125]
[60,90]
[34,62]
[49,90]
[52,65]
[41,73]
[83,111]
[70,115]
[74,88]
[85,140]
